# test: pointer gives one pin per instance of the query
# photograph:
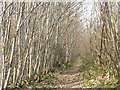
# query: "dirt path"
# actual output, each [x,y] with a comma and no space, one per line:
[70,78]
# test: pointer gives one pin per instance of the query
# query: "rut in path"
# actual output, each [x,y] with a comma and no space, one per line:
[70,78]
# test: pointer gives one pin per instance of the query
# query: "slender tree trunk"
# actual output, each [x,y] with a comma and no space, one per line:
[1,49]
[119,26]
[119,32]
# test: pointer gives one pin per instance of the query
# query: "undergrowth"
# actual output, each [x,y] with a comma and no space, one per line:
[96,76]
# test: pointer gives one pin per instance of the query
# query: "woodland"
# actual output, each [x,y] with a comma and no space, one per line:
[52,45]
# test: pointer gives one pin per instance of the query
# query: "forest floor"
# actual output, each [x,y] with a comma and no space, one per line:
[82,73]
[69,78]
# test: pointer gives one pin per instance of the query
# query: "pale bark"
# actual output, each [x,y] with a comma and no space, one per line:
[10,63]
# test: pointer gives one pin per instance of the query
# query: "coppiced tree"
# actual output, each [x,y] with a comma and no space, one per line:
[35,38]
[104,36]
